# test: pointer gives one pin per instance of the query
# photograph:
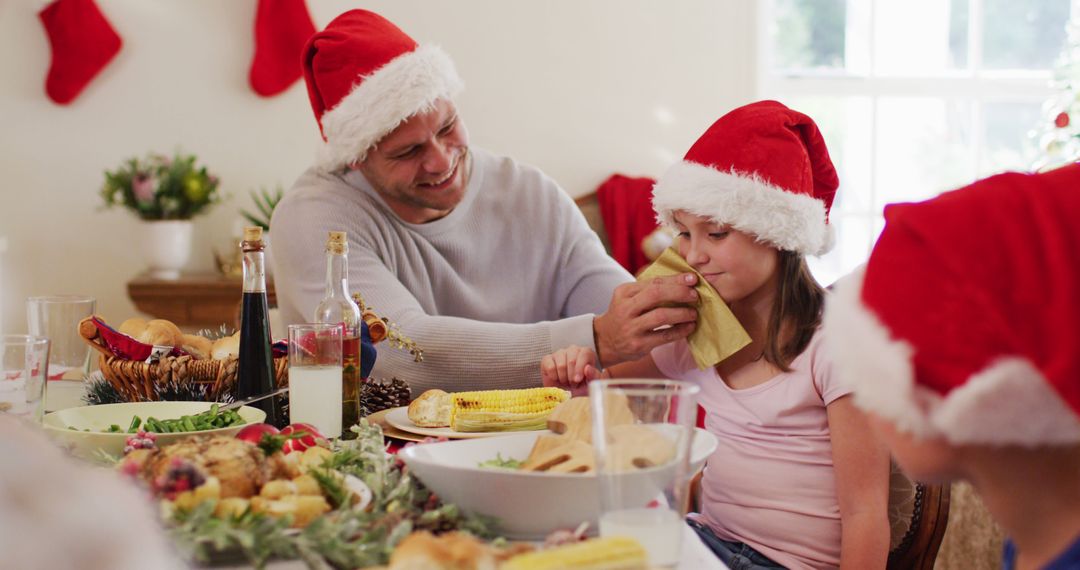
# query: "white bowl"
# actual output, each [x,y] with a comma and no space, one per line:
[528,505]
[98,419]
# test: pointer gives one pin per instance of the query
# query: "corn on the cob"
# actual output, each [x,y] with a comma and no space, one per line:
[609,553]
[504,410]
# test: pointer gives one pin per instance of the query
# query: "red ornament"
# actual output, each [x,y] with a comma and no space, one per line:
[1062,120]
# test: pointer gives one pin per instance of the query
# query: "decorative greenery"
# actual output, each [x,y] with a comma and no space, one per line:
[394,336]
[98,391]
[265,201]
[158,187]
[342,538]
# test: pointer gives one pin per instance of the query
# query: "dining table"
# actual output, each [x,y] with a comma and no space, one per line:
[60,394]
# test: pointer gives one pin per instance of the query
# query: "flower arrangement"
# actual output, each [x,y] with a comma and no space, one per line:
[158,187]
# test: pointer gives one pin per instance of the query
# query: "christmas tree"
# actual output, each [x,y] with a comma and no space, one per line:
[1058,138]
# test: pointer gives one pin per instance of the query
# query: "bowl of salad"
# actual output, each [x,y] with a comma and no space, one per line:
[90,431]
[483,476]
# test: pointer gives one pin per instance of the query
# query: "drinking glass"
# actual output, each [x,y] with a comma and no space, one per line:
[642,430]
[57,317]
[315,376]
[23,362]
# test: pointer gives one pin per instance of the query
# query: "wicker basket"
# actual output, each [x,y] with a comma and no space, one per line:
[135,380]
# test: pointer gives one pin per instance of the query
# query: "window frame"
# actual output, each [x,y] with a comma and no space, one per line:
[971,84]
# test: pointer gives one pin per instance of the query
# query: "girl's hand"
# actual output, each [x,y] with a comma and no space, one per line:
[570,368]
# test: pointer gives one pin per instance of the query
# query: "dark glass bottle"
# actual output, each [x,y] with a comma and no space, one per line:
[338,307]
[255,369]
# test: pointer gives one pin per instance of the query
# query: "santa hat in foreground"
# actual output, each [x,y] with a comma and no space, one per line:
[364,78]
[965,322]
[764,170]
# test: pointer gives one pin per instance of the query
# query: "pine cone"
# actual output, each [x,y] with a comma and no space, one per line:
[377,394]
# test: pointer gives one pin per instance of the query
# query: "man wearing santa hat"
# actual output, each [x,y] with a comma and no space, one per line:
[961,338]
[486,263]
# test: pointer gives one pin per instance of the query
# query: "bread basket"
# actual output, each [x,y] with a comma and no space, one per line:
[136,380]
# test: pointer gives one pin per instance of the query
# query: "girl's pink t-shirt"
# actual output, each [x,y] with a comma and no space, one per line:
[770,483]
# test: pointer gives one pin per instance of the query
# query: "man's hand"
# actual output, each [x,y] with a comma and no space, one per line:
[570,368]
[627,331]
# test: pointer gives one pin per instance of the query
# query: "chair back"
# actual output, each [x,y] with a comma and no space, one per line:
[918,515]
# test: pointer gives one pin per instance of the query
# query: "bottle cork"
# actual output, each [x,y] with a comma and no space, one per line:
[337,243]
[252,233]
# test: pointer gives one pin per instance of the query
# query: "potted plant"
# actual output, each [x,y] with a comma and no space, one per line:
[165,192]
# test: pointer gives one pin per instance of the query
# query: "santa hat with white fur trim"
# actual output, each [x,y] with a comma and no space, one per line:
[762,169]
[963,324]
[364,78]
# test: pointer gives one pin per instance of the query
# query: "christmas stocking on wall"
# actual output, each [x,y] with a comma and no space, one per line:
[82,42]
[282,27]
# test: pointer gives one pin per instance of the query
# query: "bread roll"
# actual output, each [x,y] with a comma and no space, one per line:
[160,332]
[196,346]
[431,409]
[226,347]
[133,327]
[451,551]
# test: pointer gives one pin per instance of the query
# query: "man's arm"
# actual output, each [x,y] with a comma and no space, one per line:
[459,353]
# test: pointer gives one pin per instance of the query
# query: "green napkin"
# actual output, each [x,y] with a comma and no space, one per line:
[718,334]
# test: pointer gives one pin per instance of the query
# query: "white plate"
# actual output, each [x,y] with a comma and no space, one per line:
[85,444]
[528,504]
[399,418]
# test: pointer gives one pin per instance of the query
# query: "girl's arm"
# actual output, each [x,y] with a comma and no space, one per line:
[862,487]
[572,368]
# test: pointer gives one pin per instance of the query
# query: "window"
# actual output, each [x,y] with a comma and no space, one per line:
[914,97]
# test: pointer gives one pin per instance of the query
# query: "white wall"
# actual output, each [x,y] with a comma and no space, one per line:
[579,88]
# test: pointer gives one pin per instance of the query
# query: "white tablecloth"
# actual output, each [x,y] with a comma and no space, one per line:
[695,556]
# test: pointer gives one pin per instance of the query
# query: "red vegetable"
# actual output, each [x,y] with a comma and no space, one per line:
[300,437]
[254,433]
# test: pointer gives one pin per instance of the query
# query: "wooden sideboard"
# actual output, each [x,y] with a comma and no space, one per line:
[195,300]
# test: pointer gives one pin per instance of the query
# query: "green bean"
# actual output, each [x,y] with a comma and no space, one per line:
[210,419]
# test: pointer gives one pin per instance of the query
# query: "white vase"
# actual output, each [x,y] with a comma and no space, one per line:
[166,246]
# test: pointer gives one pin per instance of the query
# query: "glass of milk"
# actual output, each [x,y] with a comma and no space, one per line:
[315,376]
[642,430]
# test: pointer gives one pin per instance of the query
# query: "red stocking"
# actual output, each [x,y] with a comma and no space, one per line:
[282,27]
[83,43]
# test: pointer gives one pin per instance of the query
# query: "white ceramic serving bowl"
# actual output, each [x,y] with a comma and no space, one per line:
[528,505]
[98,419]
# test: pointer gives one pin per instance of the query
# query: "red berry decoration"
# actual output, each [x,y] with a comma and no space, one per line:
[1062,120]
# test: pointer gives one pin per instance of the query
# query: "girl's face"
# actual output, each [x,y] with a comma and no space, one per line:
[733,262]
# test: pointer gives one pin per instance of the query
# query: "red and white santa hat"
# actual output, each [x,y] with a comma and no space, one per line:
[964,322]
[762,169]
[364,78]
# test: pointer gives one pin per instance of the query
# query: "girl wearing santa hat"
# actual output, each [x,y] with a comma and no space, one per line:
[797,480]
[961,338]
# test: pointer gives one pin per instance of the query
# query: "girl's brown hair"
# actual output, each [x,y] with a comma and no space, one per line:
[796,313]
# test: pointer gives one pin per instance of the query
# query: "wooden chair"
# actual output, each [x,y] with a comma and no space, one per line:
[918,515]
